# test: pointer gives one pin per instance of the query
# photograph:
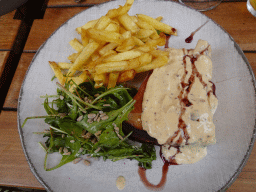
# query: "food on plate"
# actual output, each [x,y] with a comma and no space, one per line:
[120,182]
[177,108]
[179,103]
[86,115]
[176,103]
[89,121]
[173,108]
[116,43]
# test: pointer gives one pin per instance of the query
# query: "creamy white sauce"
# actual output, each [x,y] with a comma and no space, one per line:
[162,106]
[188,153]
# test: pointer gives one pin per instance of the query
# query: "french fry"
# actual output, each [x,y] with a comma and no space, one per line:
[83,57]
[158,53]
[101,59]
[128,23]
[95,56]
[137,41]
[75,44]
[126,76]
[111,67]
[109,52]
[144,33]
[84,38]
[133,64]
[153,43]
[121,10]
[159,18]
[127,45]
[115,21]
[121,29]
[89,24]
[144,25]
[98,84]
[146,39]
[92,64]
[105,36]
[64,65]
[123,56]
[84,77]
[156,63]
[145,48]
[115,47]
[134,18]
[158,25]
[112,79]
[73,57]
[90,67]
[107,47]
[154,35]
[162,39]
[144,59]
[100,80]
[158,42]
[57,72]
[102,23]
[126,35]
[113,27]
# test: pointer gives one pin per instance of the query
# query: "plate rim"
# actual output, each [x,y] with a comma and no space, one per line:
[237,47]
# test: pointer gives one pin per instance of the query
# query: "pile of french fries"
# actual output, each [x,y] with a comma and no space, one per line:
[115,47]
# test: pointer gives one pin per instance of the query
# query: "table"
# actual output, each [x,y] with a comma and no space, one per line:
[20,49]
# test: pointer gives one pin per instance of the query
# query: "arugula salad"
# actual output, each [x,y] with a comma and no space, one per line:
[89,121]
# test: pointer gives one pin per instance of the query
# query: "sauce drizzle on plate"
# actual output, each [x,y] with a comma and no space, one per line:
[161,184]
[190,38]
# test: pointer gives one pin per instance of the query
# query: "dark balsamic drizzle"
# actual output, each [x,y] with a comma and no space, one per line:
[170,140]
[190,38]
[174,30]
[160,185]
[165,168]
[183,97]
[213,89]
[167,37]
[172,160]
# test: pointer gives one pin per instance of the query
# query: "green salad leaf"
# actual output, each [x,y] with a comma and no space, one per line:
[89,121]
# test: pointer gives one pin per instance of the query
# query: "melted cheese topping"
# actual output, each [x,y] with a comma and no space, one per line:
[179,102]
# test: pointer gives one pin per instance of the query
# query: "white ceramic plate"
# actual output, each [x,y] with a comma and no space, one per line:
[234,118]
